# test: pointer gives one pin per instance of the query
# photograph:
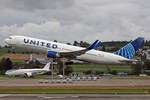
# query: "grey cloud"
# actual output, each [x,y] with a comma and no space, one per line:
[31,5]
[75,19]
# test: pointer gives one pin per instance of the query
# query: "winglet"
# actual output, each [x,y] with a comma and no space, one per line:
[95,45]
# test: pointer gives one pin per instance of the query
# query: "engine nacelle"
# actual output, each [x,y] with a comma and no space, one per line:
[28,75]
[52,54]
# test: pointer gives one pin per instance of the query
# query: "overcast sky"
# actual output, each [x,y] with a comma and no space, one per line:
[69,20]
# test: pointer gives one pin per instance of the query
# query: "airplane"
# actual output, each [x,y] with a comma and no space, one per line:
[59,50]
[28,72]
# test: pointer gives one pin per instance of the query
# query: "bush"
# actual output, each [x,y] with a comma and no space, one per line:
[88,72]
[99,73]
[5,65]
[137,68]
[146,65]
[114,72]
[68,70]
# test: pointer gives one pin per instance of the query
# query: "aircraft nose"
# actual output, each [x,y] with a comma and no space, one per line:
[6,41]
[6,73]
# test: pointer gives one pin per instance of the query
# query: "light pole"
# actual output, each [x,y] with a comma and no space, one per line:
[52,70]
[63,61]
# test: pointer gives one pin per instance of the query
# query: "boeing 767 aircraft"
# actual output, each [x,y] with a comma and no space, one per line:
[28,72]
[59,50]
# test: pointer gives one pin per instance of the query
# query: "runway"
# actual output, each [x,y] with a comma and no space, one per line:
[99,82]
[72,97]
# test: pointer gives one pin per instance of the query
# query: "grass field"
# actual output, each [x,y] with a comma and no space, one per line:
[96,91]
[75,89]
[18,61]
[5,51]
[96,67]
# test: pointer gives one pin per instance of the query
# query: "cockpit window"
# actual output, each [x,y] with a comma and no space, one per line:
[10,37]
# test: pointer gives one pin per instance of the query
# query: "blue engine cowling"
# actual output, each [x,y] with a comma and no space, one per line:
[51,54]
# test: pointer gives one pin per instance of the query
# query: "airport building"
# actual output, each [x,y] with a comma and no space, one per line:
[147,52]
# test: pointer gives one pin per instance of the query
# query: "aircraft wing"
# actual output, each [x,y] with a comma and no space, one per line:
[29,74]
[73,54]
[39,72]
[132,61]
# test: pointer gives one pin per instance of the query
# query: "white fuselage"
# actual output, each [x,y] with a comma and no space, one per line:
[38,45]
[27,72]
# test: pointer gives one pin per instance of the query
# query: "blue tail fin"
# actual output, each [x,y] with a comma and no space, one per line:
[130,49]
[95,45]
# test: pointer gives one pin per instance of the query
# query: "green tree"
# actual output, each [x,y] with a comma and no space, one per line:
[76,43]
[60,67]
[37,62]
[55,40]
[146,65]
[103,48]
[137,68]
[9,51]
[8,63]
[84,44]
[114,72]
[2,64]
[68,70]
[88,72]
[99,73]
[5,65]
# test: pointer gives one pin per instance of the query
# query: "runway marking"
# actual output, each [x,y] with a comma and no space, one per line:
[3,95]
[73,97]
[58,97]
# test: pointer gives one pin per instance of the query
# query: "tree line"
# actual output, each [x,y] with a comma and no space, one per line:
[5,64]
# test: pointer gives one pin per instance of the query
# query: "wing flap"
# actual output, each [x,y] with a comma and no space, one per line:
[73,54]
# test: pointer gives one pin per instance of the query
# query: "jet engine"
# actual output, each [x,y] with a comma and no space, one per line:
[52,54]
[28,75]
